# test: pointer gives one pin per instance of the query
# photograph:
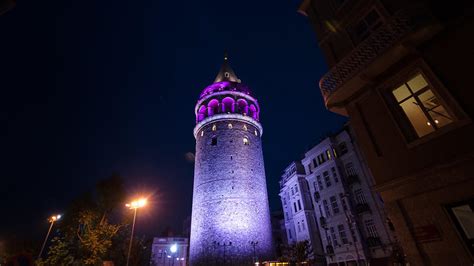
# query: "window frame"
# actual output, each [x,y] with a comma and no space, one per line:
[398,116]
[467,243]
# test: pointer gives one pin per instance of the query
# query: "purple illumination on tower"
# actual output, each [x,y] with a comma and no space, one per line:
[230,202]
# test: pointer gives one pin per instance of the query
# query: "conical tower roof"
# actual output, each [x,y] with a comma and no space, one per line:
[226,73]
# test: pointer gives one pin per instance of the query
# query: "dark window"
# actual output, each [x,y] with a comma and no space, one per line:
[334,174]
[335,206]
[342,148]
[326,208]
[214,141]
[299,205]
[342,234]
[327,179]
[315,164]
[343,201]
[320,183]
[294,205]
[366,26]
[333,234]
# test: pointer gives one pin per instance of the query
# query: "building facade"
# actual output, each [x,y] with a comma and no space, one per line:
[300,219]
[400,71]
[350,214]
[230,214]
[169,251]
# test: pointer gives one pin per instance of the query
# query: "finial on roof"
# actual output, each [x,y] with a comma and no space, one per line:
[226,73]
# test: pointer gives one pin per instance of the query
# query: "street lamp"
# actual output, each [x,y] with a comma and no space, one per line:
[52,220]
[173,249]
[134,205]
[254,244]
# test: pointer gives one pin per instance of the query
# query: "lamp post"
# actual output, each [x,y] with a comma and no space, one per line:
[134,205]
[52,220]
[254,244]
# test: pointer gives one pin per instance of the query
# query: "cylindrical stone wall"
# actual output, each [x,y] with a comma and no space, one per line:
[230,202]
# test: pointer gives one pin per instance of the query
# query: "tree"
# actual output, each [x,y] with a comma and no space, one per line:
[298,252]
[86,235]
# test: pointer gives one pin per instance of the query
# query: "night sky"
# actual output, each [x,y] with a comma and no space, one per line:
[89,88]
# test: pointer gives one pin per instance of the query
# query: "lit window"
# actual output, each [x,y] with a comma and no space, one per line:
[328,153]
[202,133]
[214,127]
[245,127]
[246,141]
[256,133]
[229,126]
[226,74]
[421,106]
[334,151]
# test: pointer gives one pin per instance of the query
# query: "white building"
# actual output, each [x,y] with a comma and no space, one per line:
[169,251]
[300,219]
[350,218]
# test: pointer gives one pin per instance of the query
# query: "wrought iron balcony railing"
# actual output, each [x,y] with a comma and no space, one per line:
[373,241]
[353,178]
[384,38]
[362,208]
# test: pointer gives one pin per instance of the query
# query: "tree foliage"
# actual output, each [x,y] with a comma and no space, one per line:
[298,252]
[86,234]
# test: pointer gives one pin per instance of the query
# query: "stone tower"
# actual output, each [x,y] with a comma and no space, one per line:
[230,214]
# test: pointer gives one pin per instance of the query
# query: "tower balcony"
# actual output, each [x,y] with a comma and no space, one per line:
[383,48]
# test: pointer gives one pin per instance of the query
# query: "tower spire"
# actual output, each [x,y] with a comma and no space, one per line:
[226,73]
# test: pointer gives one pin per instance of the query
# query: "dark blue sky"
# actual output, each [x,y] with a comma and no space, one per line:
[95,87]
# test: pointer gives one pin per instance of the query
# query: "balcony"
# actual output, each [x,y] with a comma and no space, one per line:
[317,197]
[352,179]
[362,208]
[329,250]
[373,242]
[322,222]
[371,57]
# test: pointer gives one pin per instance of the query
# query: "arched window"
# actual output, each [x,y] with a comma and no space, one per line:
[243,106]
[213,107]
[202,113]
[228,105]
[214,127]
[246,141]
[245,127]
[253,112]
[229,126]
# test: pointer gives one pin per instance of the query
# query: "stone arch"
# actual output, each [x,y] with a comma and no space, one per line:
[202,113]
[213,107]
[253,112]
[228,105]
[243,106]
